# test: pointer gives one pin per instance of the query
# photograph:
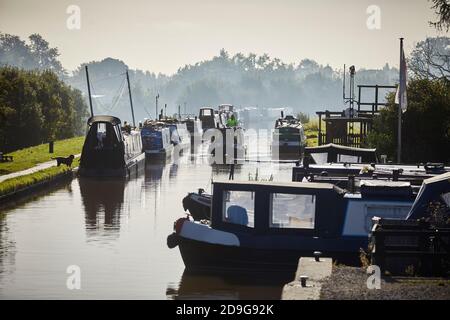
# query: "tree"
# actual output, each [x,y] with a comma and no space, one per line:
[45,57]
[37,107]
[442,10]
[426,123]
[431,58]
[15,52]
[36,55]
[243,79]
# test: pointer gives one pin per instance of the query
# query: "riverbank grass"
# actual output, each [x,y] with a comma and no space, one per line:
[32,156]
[312,132]
[14,184]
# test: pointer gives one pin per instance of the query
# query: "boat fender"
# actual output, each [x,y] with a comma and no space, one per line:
[179,225]
[172,240]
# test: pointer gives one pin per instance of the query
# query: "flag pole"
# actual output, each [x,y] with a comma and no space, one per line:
[399,135]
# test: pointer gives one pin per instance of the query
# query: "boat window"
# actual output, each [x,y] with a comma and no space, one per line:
[239,208]
[347,158]
[206,113]
[118,132]
[320,158]
[297,211]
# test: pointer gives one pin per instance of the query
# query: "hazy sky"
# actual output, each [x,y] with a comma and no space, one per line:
[163,35]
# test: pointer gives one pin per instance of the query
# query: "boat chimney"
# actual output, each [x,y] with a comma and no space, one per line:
[351,183]
[306,162]
[395,174]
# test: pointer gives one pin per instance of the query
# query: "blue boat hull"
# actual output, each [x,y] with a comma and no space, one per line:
[202,256]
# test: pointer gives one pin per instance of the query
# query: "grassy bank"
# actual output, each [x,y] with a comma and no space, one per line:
[312,132]
[18,183]
[29,157]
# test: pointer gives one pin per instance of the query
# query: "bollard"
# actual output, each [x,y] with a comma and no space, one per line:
[303,281]
[317,255]
[50,147]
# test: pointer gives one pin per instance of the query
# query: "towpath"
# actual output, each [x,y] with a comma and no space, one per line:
[39,167]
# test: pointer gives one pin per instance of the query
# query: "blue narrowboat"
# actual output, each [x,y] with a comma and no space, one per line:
[261,226]
[156,140]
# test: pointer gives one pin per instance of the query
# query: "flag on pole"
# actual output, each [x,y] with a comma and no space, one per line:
[401,89]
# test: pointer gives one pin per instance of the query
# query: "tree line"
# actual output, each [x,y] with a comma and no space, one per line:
[37,107]
[46,101]
[425,124]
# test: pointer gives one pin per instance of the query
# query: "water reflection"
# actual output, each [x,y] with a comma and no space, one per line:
[173,171]
[195,286]
[154,171]
[7,246]
[103,202]
[116,231]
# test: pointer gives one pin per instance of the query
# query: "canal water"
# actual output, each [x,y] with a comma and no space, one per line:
[115,232]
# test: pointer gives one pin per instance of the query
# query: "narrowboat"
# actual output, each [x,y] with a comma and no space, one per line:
[179,135]
[183,135]
[333,153]
[339,173]
[224,113]
[110,150]
[228,143]
[228,146]
[261,226]
[208,119]
[289,138]
[225,107]
[156,140]
[194,127]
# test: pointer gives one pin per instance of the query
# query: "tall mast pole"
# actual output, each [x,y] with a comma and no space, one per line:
[131,99]
[399,134]
[89,90]
[156,110]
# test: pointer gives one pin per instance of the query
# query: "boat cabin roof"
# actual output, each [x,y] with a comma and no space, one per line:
[250,184]
[277,207]
[109,119]
[432,190]
[338,153]
[332,146]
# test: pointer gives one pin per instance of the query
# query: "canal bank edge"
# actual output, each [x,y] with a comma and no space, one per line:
[39,185]
[308,279]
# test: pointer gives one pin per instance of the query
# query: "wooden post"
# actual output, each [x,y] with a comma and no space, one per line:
[89,90]
[131,99]
[399,135]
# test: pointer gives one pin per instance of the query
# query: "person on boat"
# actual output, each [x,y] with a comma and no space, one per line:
[232,122]
[126,127]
